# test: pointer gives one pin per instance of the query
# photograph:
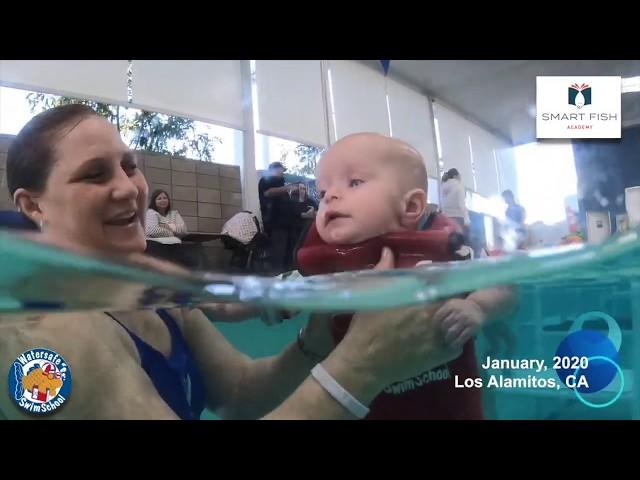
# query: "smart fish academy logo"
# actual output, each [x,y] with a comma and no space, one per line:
[40,381]
[579,107]
[579,95]
[587,361]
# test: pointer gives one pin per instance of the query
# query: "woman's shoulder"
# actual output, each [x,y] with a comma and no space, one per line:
[74,333]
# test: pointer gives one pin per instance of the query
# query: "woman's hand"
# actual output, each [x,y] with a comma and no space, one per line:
[393,345]
[317,335]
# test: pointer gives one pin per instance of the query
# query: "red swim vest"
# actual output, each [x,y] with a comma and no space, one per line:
[432,394]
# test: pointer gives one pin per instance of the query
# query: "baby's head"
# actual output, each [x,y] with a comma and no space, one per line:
[369,185]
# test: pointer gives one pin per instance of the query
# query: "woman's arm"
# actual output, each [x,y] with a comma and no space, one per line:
[379,348]
[181,227]
[237,386]
[277,387]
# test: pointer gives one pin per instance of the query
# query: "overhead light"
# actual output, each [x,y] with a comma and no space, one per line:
[631,84]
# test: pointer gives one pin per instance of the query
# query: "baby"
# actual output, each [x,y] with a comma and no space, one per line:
[371,185]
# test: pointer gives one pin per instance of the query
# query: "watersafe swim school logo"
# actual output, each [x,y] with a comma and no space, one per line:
[579,95]
[578,107]
[40,381]
[587,361]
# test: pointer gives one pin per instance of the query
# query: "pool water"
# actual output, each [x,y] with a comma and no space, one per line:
[554,288]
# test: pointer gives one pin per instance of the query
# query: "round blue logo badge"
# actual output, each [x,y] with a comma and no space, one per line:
[600,355]
[40,381]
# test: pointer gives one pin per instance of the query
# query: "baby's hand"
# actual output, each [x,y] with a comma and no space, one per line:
[459,320]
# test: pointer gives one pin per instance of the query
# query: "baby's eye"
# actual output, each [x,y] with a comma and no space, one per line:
[355,182]
[321,194]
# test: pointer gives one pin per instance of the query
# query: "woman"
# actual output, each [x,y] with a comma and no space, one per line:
[162,224]
[453,198]
[69,171]
[164,228]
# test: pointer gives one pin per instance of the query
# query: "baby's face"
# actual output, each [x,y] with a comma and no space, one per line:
[360,196]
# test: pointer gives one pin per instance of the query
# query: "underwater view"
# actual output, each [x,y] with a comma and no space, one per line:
[320,240]
[559,292]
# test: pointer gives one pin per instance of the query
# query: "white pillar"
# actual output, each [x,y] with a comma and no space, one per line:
[250,200]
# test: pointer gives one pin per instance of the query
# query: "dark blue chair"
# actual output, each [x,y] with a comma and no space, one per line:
[12,220]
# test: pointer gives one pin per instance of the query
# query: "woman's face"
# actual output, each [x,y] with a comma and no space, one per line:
[95,195]
[162,201]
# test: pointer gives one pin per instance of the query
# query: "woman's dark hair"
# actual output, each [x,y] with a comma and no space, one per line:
[449,174]
[152,202]
[30,157]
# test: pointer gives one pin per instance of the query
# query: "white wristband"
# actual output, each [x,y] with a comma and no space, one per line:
[336,390]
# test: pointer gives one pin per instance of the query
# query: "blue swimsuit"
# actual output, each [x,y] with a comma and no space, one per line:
[177,378]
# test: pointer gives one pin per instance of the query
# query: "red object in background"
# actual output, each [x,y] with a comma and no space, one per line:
[423,397]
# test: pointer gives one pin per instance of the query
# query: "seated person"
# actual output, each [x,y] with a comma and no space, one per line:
[162,224]
[371,185]
[164,229]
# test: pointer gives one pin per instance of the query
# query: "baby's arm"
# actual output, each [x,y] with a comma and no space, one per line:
[497,302]
[460,319]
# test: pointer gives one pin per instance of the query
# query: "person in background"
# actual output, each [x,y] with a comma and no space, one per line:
[303,211]
[162,223]
[515,215]
[453,198]
[164,228]
[275,206]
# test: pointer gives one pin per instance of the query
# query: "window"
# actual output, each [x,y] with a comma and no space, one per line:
[546,177]
[433,191]
[140,129]
[300,159]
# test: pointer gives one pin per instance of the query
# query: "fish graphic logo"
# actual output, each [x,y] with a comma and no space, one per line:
[579,95]
[40,381]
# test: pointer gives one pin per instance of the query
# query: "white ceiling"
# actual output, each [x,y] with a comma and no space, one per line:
[500,94]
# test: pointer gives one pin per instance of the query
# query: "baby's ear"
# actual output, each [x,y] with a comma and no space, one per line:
[415,206]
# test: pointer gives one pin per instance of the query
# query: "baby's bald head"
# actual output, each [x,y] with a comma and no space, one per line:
[404,160]
[377,182]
